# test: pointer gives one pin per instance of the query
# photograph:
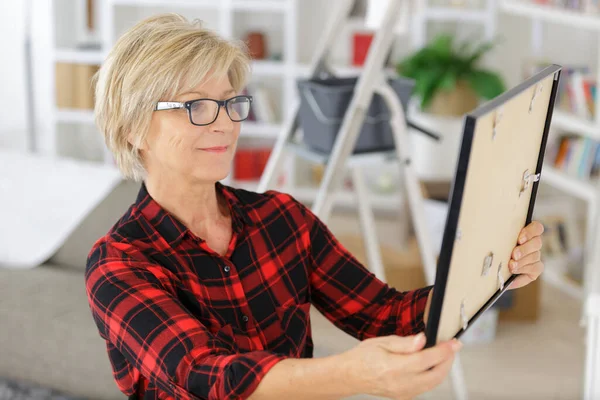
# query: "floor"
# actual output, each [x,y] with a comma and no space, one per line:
[542,360]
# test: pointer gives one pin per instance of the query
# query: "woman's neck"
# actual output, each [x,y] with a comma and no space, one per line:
[196,205]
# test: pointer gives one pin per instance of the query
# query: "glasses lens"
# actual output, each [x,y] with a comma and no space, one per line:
[204,111]
[238,108]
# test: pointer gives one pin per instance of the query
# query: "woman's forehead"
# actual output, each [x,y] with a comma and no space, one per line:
[210,85]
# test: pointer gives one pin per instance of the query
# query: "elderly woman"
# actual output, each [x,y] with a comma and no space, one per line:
[202,291]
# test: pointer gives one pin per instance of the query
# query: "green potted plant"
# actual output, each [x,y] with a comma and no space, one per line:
[447,77]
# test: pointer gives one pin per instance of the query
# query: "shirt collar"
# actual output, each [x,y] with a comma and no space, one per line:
[173,230]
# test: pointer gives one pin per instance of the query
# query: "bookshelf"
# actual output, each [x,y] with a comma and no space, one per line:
[426,11]
[582,188]
[109,21]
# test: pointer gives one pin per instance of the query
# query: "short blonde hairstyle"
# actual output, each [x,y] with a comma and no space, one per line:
[159,57]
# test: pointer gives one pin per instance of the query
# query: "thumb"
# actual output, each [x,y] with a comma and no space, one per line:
[403,344]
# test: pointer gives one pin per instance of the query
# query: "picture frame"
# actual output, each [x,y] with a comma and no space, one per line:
[492,198]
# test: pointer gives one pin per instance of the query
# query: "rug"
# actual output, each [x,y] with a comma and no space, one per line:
[12,390]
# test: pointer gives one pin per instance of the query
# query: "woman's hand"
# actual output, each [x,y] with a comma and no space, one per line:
[396,367]
[526,257]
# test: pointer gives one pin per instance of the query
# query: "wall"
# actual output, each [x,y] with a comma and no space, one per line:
[12,98]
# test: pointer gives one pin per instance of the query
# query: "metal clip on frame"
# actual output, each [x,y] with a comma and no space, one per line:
[487,264]
[536,91]
[528,179]
[463,315]
[497,120]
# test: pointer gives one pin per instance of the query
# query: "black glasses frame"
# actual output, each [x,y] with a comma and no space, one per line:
[173,105]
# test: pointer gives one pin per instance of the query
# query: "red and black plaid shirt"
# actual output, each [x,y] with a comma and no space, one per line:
[181,321]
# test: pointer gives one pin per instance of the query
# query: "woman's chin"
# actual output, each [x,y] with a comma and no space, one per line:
[214,175]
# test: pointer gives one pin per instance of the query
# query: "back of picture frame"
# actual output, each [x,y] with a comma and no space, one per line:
[492,198]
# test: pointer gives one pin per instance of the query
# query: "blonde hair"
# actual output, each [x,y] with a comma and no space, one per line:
[153,61]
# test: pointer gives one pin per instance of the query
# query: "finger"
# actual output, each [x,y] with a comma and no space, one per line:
[534,270]
[520,281]
[402,344]
[435,376]
[529,247]
[426,359]
[526,278]
[535,228]
[516,267]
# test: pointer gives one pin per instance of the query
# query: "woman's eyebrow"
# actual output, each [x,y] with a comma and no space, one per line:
[204,94]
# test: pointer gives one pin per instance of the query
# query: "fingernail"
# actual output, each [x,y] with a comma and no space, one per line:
[419,337]
[522,239]
[456,345]
[517,255]
[513,266]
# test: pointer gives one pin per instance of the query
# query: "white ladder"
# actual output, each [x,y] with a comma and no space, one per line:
[372,80]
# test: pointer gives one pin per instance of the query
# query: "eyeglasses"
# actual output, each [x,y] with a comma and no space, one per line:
[205,111]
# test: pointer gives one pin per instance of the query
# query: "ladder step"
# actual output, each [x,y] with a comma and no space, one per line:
[318,157]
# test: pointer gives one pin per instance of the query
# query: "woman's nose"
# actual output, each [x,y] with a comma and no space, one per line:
[223,122]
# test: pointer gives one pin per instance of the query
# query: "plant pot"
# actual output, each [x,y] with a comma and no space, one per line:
[455,102]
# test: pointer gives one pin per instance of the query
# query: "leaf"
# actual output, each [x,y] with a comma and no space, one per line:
[486,84]
[480,51]
[441,63]
[442,45]
[448,80]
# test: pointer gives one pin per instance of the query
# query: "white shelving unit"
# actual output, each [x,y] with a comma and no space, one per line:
[425,13]
[583,189]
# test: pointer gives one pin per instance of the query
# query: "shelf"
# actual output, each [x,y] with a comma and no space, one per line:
[564,120]
[171,3]
[302,70]
[318,157]
[358,24]
[260,5]
[456,14]
[257,129]
[75,116]
[576,186]
[266,67]
[346,198]
[551,14]
[74,56]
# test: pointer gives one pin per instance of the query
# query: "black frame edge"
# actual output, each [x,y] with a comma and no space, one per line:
[443,264]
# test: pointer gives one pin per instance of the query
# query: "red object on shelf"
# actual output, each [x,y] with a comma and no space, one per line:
[262,159]
[361,43]
[250,163]
[243,165]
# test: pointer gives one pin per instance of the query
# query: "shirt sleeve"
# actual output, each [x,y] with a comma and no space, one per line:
[351,296]
[135,312]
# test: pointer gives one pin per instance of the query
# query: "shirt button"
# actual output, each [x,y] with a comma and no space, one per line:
[245,318]
[226,268]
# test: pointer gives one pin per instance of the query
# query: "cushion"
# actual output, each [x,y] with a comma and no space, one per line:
[76,247]
[48,333]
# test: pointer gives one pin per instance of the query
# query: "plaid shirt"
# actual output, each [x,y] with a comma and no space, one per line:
[181,321]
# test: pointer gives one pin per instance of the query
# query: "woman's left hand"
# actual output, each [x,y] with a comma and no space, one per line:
[526,257]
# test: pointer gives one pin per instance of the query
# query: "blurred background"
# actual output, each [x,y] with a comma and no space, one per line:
[60,190]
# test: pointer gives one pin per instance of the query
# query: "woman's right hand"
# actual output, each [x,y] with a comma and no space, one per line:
[397,367]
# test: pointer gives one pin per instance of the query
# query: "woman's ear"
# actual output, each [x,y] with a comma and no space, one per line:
[136,142]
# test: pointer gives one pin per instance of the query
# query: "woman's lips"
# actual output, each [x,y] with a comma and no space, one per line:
[217,149]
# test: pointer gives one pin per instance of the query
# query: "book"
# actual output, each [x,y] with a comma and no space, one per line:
[263,104]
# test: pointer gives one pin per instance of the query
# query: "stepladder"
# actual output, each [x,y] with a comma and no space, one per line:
[372,80]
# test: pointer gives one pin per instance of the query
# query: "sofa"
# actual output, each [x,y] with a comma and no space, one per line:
[47,334]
